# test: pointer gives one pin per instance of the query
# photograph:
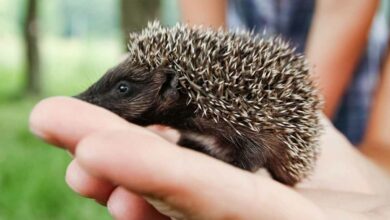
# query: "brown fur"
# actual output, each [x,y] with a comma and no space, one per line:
[157,100]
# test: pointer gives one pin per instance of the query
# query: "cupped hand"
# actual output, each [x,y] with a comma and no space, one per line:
[141,174]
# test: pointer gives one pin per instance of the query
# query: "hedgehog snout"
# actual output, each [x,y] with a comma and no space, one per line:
[88,98]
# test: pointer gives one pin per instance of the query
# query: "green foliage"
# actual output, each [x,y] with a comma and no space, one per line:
[79,41]
[67,18]
[79,20]
[32,173]
[169,12]
[11,16]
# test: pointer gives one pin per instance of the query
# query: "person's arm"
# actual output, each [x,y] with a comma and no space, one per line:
[376,143]
[204,12]
[137,172]
[337,37]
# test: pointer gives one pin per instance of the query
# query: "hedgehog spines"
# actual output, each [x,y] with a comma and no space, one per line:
[240,78]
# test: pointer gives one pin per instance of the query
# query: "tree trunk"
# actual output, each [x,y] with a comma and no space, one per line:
[136,13]
[33,85]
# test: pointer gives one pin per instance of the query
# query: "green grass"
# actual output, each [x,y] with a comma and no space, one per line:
[31,172]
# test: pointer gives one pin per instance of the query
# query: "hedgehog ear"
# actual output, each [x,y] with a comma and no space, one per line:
[169,87]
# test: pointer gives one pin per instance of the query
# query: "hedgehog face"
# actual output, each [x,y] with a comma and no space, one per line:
[134,93]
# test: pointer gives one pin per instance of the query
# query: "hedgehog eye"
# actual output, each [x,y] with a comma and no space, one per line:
[123,88]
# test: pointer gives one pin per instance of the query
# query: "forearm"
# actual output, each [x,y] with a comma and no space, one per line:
[353,173]
[376,143]
[337,37]
[204,12]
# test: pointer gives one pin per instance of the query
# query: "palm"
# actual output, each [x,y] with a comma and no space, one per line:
[121,165]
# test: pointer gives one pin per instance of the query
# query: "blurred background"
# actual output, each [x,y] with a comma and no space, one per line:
[60,47]
[47,48]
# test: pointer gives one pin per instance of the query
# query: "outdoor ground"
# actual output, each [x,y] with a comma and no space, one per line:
[32,183]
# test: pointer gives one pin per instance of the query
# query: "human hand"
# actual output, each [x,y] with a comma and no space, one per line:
[140,174]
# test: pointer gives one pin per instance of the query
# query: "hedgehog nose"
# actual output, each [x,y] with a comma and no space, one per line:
[87,98]
[80,96]
[77,96]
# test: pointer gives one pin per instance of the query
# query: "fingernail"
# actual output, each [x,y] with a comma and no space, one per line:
[38,133]
[159,128]
[44,136]
[167,133]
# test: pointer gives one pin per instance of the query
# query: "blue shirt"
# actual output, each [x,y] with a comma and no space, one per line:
[292,20]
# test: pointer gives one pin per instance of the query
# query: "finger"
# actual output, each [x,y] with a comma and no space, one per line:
[191,183]
[165,132]
[87,185]
[64,121]
[54,119]
[124,205]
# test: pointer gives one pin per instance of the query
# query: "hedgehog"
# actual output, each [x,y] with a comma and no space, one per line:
[246,99]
